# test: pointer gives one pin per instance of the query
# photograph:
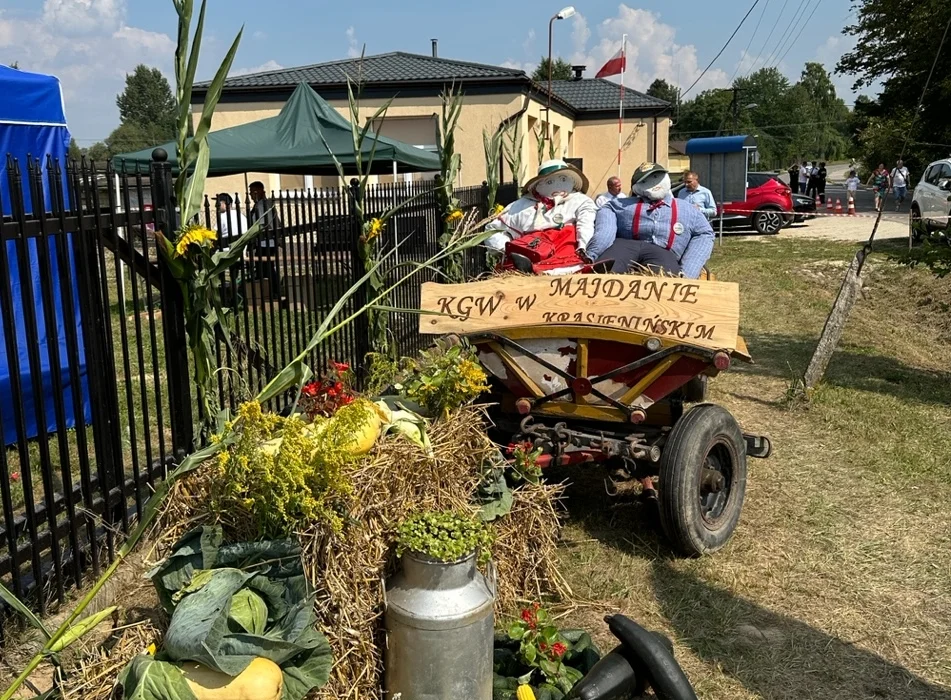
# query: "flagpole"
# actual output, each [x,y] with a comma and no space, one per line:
[620,117]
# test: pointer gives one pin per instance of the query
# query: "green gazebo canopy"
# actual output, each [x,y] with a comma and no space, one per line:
[291,143]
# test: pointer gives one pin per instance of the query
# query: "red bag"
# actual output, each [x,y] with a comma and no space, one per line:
[548,250]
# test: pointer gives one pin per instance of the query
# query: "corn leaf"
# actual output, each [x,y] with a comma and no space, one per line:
[190,71]
[21,608]
[80,629]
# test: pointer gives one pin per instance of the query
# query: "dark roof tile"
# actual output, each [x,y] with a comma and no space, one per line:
[599,95]
[383,68]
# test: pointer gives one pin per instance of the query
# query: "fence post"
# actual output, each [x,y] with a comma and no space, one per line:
[173,312]
[484,199]
[361,325]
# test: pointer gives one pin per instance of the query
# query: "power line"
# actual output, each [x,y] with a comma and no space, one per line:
[764,127]
[752,36]
[804,25]
[759,54]
[720,52]
[790,28]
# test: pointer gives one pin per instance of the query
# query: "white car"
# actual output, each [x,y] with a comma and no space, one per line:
[931,201]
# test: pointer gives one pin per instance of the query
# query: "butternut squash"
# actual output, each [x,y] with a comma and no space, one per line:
[261,680]
[525,692]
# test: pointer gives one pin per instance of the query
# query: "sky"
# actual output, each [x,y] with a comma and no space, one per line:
[92,44]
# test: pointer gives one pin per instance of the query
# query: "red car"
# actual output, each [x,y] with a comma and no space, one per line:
[768,206]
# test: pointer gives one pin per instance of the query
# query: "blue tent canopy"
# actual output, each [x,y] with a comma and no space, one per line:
[719,144]
[33,123]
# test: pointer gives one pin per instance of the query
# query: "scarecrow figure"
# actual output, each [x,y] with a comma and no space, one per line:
[549,228]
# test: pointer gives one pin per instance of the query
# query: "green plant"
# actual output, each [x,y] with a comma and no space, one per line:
[542,648]
[446,536]
[289,481]
[493,156]
[450,162]
[525,461]
[444,379]
[512,149]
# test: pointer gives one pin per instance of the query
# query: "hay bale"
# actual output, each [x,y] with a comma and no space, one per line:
[348,570]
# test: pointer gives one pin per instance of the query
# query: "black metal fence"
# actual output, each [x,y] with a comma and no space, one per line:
[95,396]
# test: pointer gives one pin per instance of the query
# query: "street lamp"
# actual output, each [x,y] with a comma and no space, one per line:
[564,14]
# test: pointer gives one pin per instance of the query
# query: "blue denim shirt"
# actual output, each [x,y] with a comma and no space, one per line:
[692,246]
[702,198]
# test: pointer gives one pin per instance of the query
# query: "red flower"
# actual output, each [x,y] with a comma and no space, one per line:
[310,389]
[543,646]
[346,400]
[558,649]
[511,448]
[338,387]
[341,366]
[14,476]
[528,616]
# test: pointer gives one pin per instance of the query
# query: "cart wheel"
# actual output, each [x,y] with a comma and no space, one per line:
[702,480]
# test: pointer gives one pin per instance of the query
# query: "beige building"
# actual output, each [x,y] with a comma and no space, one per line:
[584,114]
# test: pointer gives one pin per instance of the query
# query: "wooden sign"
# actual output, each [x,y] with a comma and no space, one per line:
[697,312]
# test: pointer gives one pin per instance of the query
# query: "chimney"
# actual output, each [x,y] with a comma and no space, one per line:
[579,72]
[435,52]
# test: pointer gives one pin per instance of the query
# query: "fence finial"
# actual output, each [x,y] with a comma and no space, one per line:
[160,155]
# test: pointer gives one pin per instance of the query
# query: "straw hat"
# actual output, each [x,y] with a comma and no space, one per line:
[550,167]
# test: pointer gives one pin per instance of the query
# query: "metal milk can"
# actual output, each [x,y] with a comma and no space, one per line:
[440,630]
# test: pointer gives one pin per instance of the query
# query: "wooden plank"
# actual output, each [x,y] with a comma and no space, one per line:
[693,312]
[512,365]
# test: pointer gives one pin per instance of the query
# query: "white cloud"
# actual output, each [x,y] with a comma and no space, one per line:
[263,68]
[259,35]
[527,66]
[353,47]
[580,34]
[528,46]
[92,63]
[83,16]
[652,51]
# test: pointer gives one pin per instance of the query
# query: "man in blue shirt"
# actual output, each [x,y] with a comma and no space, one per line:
[652,229]
[699,196]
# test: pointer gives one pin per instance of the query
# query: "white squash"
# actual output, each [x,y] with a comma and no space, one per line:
[261,680]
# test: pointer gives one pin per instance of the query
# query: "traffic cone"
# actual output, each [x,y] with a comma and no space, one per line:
[851,205]
[829,205]
[838,206]
[818,202]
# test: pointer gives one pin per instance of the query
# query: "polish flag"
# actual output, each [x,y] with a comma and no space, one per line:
[615,66]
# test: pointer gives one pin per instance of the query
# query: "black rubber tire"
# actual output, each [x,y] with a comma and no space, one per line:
[707,432]
[768,222]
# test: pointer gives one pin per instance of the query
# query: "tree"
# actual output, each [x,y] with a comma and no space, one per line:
[663,90]
[75,152]
[897,43]
[147,102]
[561,70]
[15,65]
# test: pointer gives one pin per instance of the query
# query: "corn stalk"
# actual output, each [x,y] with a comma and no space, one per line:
[539,133]
[512,144]
[450,162]
[492,145]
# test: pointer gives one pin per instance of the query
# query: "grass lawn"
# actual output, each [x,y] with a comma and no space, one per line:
[837,583]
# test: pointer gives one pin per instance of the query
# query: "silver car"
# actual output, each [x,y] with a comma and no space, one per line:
[931,201]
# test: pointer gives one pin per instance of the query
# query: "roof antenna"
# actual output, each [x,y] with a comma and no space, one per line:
[435,52]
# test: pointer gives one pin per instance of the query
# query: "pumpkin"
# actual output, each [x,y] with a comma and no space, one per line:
[261,680]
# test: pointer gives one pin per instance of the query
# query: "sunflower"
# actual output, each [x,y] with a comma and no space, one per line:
[198,235]
[373,229]
[497,209]
[454,216]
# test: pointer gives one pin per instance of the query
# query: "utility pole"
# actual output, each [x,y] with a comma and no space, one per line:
[736,110]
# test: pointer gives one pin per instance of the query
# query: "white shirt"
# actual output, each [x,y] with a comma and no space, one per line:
[852,183]
[900,177]
[231,223]
[527,215]
[804,172]
[604,199]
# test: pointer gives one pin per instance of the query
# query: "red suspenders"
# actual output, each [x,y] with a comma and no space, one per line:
[673,222]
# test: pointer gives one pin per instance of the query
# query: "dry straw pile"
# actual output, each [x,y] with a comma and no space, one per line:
[349,570]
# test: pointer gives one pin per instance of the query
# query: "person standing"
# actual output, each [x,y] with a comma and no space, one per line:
[821,175]
[614,191]
[852,184]
[794,177]
[231,222]
[900,177]
[699,196]
[813,180]
[803,177]
[266,245]
[880,182]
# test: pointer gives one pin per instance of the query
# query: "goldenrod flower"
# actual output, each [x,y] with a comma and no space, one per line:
[454,216]
[198,235]
[497,209]
[373,229]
